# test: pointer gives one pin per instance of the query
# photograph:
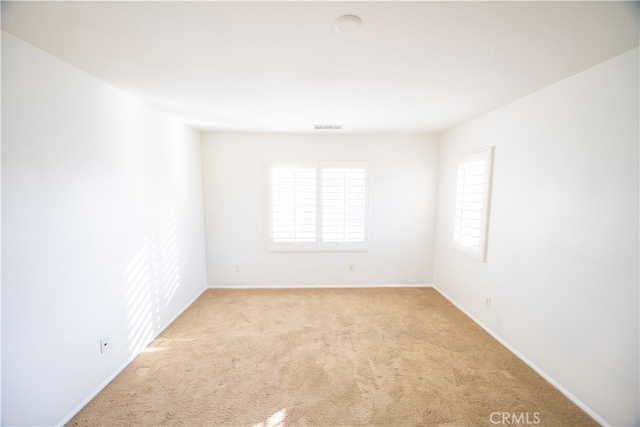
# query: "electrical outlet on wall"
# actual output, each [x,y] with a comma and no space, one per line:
[350,267]
[487,302]
[237,268]
[104,345]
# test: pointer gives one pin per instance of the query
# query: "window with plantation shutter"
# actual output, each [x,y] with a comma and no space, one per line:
[471,213]
[343,203]
[293,204]
[318,206]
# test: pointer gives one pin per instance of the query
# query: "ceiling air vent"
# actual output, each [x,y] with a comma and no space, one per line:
[327,127]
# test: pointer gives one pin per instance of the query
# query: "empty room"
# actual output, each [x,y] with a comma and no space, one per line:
[320,213]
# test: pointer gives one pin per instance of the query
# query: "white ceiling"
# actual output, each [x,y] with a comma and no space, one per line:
[281,66]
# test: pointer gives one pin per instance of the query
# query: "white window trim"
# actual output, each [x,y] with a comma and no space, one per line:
[318,245]
[479,253]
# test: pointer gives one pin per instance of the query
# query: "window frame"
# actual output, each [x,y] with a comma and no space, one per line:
[318,245]
[478,253]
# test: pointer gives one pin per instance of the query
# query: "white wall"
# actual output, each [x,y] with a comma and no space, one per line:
[562,264]
[102,231]
[403,170]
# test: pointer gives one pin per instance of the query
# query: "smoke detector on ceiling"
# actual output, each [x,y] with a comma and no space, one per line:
[348,24]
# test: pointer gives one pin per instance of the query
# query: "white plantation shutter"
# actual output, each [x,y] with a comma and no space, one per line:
[470,219]
[343,204]
[318,206]
[469,192]
[293,203]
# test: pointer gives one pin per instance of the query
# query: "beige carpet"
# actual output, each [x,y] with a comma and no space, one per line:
[329,357]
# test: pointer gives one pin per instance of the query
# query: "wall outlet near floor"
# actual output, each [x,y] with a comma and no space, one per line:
[104,345]
[350,267]
[487,302]
[237,268]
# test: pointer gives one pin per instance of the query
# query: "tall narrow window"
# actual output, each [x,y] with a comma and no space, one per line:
[318,206]
[471,214]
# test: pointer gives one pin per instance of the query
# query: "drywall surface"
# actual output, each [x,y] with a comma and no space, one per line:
[102,231]
[562,260]
[402,184]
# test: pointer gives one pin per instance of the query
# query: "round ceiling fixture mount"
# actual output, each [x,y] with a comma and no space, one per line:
[348,24]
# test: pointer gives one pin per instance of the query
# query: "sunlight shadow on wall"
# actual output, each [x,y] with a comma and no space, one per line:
[138,289]
[168,247]
[151,281]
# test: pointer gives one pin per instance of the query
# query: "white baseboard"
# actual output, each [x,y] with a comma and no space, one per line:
[593,414]
[122,366]
[412,285]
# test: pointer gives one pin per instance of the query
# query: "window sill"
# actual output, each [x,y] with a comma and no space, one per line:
[318,247]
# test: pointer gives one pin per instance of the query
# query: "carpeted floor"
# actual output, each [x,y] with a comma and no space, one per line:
[327,357]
